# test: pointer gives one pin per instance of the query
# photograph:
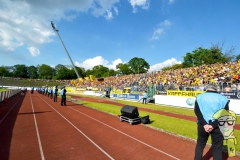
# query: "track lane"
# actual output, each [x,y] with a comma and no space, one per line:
[115,143]
[18,138]
[94,129]
[60,140]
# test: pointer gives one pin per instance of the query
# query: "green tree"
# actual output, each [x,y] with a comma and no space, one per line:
[45,71]
[166,68]
[3,71]
[123,68]
[32,72]
[20,70]
[65,73]
[177,66]
[72,73]
[138,65]
[81,71]
[207,56]
[237,57]
[112,72]
[58,67]
[99,71]
[89,72]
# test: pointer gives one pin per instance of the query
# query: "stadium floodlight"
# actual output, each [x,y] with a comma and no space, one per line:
[54,28]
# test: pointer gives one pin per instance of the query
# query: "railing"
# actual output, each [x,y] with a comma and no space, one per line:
[220,88]
[8,94]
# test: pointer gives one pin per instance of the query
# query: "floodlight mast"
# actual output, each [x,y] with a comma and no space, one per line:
[54,28]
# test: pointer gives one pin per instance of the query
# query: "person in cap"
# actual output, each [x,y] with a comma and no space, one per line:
[206,105]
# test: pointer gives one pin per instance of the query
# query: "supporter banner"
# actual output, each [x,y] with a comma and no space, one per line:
[183,93]
[118,91]
[100,92]
[70,89]
[231,95]
[80,89]
[188,102]
[127,90]
[127,96]
[79,92]
[91,89]
[90,93]
[136,92]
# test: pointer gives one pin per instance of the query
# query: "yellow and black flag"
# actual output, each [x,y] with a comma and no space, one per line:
[92,77]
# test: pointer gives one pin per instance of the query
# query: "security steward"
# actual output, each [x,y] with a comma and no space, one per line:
[63,96]
[55,94]
[206,105]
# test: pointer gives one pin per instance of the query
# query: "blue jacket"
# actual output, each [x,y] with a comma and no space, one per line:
[145,95]
[55,90]
[63,92]
[207,104]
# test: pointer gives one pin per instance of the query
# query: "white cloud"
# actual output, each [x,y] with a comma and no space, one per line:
[91,62]
[167,63]
[34,51]
[165,23]
[26,23]
[109,14]
[99,60]
[114,63]
[144,4]
[170,1]
[157,33]
[160,30]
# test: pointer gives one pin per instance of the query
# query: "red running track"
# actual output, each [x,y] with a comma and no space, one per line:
[33,127]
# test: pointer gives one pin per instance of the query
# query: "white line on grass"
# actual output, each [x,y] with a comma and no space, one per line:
[38,136]
[80,132]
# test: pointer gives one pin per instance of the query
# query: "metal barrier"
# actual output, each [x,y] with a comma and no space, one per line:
[8,94]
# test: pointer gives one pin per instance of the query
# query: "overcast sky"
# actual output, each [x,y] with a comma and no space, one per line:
[109,32]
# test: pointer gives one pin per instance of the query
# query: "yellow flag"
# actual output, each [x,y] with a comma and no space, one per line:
[92,77]
[80,79]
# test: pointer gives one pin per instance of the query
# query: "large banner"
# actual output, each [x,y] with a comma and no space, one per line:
[183,93]
[118,91]
[127,96]
[70,89]
[231,95]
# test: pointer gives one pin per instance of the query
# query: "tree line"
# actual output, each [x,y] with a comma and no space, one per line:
[136,65]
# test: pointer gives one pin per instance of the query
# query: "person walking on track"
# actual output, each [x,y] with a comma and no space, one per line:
[55,94]
[206,105]
[63,96]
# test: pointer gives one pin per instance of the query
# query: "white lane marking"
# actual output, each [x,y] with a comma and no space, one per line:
[80,131]
[38,136]
[9,111]
[126,134]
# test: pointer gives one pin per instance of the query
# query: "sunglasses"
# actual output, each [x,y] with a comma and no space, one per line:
[229,122]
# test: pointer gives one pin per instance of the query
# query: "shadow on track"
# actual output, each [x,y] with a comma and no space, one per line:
[8,116]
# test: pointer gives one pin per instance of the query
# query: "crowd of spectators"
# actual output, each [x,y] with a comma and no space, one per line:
[225,76]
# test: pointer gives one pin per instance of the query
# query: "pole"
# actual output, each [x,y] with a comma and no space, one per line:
[65,48]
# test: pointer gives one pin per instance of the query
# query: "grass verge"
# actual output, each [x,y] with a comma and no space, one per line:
[175,126]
